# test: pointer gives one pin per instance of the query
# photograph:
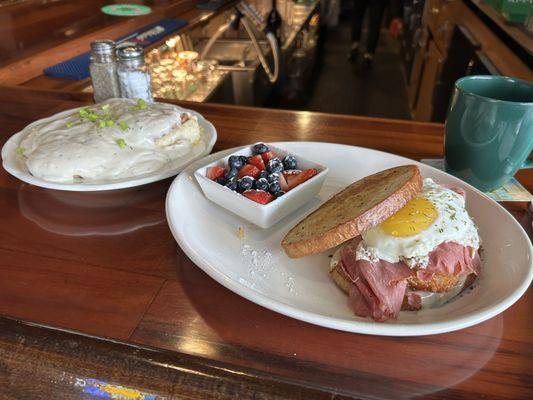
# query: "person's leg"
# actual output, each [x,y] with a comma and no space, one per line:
[358,16]
[376,11]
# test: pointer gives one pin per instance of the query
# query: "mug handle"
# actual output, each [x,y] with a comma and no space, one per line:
[527,164]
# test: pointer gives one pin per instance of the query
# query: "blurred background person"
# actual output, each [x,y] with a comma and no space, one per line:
[376,10]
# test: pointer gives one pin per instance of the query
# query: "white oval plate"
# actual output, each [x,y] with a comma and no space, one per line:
[14,165]
[256,267]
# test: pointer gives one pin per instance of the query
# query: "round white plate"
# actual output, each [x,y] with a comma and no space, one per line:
[16,167]
[256,267]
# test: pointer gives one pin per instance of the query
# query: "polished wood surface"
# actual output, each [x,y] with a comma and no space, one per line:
[37,34]
[496,49]
[68,366]
[440,19]
[517,32]
[106,264]
[35,25]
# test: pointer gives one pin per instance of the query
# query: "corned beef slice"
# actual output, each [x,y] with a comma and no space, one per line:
[379,287]
[414,300]
[458,190]
[450,258]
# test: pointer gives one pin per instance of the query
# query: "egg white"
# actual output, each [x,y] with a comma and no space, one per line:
[453,224]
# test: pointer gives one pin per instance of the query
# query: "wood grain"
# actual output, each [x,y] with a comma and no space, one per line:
[34,40]
[114,226]
[365,366]
[67,366]
[106,264]
[496,49]
[73,295]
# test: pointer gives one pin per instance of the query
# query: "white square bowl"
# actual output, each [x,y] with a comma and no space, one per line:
[261,215]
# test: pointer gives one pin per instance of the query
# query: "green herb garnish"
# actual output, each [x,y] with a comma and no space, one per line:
[102,120]
[20,150]
[84,112]
[121,143]
[70,125]
[141,104]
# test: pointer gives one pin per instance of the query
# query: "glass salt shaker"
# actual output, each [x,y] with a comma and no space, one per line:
[133,75]
[103,69]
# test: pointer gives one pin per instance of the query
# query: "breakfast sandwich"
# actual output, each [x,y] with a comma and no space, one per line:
[407,242]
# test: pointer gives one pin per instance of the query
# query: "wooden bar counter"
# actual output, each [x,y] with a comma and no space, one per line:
[37,34]
[97,296]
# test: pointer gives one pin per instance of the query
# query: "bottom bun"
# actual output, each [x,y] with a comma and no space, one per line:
[430,298]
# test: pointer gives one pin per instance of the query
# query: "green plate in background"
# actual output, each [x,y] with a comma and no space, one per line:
[126,10]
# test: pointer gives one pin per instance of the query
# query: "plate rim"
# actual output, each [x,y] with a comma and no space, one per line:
[355,326]
[211,137]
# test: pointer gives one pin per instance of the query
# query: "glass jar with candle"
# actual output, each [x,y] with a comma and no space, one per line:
[180,79]
[187,60]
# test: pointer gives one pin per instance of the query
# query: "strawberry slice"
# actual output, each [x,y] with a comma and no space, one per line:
[259,196]
[289,172]
[283,183]
[216,172]
[267,155]
[249,170]
[257,161]
[296,179]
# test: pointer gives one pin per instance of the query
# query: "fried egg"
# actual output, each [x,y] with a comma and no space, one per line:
[435,216]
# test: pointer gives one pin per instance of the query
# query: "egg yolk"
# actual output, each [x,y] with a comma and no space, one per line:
[417,215]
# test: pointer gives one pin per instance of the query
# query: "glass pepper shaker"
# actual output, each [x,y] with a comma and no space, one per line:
[103,69]
[133,75]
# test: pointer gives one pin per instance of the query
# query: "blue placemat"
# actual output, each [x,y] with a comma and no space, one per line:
[77,68]
[212,5]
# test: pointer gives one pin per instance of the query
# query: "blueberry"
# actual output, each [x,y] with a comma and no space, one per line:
[274,165]
[245,183]
[273,178]
[244,160]
[235,162]
[231,174]
[279,193]
[260,148]
[261,184]
[289,162]
[222,181]
[263,174]
[232,185]
[274,187]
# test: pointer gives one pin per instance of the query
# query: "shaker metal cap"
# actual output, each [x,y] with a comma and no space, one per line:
[105,46]
[130,52]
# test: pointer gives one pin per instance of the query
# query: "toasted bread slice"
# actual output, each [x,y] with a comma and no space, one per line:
[440,283]
[359,207]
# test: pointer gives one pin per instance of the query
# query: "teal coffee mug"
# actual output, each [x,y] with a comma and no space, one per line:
[489,130]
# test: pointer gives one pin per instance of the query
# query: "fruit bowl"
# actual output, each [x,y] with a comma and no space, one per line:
[301,185]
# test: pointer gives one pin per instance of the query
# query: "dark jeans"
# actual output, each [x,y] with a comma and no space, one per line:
[376,9]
